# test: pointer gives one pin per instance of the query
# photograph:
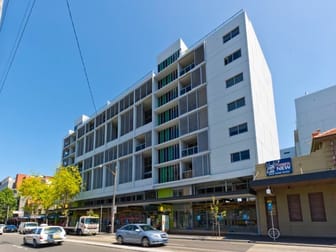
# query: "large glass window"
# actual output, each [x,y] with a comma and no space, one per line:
[125,170]
[98,178]
[100,136]
[89,142]
[169,173]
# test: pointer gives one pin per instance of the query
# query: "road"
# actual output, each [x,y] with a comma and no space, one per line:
[13,243]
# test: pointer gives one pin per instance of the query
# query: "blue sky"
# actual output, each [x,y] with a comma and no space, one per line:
[46,91]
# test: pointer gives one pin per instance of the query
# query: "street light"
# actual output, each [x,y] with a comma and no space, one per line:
[114,173]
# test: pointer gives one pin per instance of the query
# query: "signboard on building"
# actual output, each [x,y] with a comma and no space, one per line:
[279,167]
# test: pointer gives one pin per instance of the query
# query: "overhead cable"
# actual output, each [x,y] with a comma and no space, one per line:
[17,44]
[81,57]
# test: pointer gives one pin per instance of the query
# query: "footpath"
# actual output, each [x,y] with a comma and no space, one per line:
[292,241]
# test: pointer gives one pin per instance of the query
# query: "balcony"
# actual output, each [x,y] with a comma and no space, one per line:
[187,69]
[187,174]
[140,147]
[190,151]
[185,89]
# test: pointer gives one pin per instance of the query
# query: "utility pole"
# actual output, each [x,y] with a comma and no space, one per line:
[114,197]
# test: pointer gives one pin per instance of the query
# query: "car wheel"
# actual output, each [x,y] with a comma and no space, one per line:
[24,241]
[35,245]
[120,240]
[145,242]
[59,243]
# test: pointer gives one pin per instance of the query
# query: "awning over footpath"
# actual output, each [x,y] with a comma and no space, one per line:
[301,178]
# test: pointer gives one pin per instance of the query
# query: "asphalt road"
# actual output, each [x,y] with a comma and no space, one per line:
[13,243]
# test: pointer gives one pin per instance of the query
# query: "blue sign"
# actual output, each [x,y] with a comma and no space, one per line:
[279,167]
[269,206]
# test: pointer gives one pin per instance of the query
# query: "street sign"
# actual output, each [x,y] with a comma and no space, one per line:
[269,206]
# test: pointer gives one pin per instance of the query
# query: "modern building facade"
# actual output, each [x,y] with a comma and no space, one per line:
[299,193]
[314,111]
[192,130]
[7,182]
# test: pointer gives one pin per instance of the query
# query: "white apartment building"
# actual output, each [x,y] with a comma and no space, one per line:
[194,129]
[7,182]
[315,111]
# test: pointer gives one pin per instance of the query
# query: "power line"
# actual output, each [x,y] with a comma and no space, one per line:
[16,45]
[81,57]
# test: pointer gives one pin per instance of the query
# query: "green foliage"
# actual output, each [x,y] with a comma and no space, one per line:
[39,193]
[215,212]
[67,182]
[8,203]
[91,213]
[59,191]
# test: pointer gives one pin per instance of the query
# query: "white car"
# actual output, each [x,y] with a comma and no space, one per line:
[27,227]
[1,228]
[45,235]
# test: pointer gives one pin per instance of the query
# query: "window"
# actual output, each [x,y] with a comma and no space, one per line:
[89,142]
[98,178]
[316,205]
[234,80]
[239,156]
[168,153]
[125,171]
[231,34]
[100,136]
[239,129]
[171,59]
[126,122]
[80,147]
[294,207]
[236,104]
[167,79]
[228,59]
[169,173]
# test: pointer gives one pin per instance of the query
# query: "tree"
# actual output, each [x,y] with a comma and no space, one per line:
[39,193]
[8,203]
[67,182]
[215,211]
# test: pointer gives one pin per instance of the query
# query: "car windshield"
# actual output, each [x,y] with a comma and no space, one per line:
[52,230]
[91,221]
[147,227]
[31,224]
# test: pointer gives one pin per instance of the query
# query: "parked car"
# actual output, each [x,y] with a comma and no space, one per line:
[26,227]
[1,228]
[45,235]
[143,234]
[10,229]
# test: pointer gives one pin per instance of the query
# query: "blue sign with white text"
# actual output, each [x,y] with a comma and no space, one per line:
[279,167]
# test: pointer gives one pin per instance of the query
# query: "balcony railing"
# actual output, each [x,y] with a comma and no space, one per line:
[187,174]
[189,151]
[187,69]
[185,90]
[140,147]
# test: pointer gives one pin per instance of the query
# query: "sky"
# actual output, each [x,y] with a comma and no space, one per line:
[45,90]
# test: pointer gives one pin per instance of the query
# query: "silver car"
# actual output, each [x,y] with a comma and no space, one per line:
[143,234]
[45,235]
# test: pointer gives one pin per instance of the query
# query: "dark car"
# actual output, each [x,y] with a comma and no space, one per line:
[143,234]
[10,229]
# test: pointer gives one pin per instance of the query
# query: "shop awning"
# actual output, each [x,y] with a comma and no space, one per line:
[301,178]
